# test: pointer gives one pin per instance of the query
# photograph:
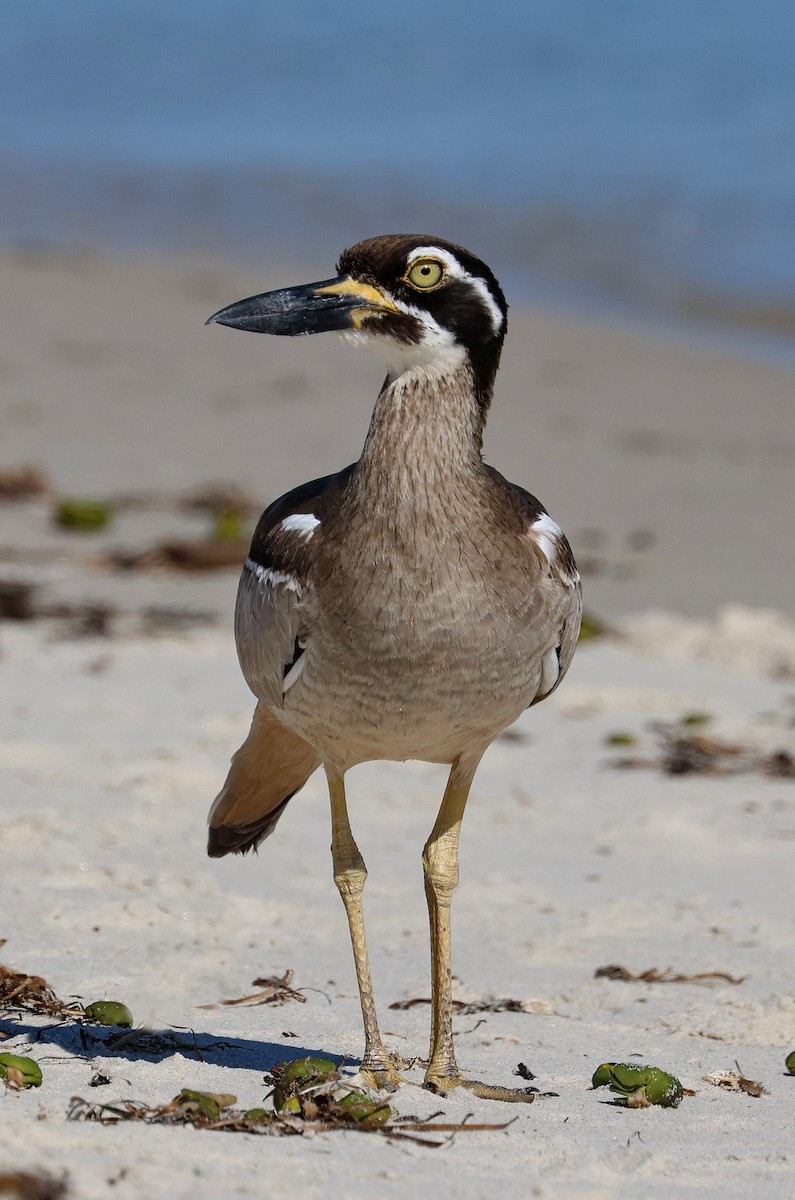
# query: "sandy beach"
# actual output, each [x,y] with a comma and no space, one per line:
[605,828]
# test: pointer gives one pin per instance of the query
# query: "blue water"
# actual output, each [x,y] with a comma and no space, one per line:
[634,149]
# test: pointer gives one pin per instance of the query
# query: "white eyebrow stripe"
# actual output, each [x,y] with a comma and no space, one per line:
[456,271]
[304,524]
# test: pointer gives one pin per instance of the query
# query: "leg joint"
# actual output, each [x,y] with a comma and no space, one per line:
[350,878]
[440,864]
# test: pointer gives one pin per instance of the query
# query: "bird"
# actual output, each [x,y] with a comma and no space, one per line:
[410,606]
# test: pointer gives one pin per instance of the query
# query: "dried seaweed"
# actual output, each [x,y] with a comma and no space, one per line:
[205,554]
[23,482]
[681,752]
[32,993]
[735,1081]
[276,990]
[487,1005]
[192,1108]
[655,975]
[25,1185]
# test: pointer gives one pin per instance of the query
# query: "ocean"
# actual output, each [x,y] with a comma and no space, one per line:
[606,153]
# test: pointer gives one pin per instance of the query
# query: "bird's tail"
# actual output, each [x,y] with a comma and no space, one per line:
[269,768]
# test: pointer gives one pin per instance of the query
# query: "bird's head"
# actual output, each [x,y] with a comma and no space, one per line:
[421,302]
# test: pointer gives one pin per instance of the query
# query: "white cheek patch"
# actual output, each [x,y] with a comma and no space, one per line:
[437,346]
[456,271]
[303,524]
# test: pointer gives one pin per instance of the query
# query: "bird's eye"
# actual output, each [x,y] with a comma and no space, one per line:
[426,273]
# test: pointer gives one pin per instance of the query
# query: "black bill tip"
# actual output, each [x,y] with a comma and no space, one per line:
[290,312]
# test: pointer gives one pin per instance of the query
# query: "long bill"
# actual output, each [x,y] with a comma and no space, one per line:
[332,304]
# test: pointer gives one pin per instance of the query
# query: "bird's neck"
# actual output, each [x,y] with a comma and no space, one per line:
[426,432]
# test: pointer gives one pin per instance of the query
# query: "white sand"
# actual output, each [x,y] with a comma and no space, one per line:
[114,748]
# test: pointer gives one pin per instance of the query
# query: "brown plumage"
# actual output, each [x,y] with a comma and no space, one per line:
[269,768]
[410,606]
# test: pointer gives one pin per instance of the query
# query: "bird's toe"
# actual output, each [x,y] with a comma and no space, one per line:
[442,1084]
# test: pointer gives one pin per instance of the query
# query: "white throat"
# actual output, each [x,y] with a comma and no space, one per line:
[437,351]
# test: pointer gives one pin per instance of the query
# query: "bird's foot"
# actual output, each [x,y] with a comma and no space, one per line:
[383,1073]
[441,1084]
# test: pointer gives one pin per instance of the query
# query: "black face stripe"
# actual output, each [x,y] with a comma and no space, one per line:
[403,327]
[457,305]
[384,260]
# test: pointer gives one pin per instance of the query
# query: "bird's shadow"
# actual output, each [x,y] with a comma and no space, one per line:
[91,1042]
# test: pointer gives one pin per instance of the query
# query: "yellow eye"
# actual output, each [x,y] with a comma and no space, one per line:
[426,273]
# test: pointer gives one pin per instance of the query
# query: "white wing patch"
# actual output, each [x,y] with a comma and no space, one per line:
[548,536]
[550,671]
[303,524]
[271,578]
[294,673]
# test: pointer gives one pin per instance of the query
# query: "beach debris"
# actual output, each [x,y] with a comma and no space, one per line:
[216,498]
[274,990]
[668,975]
[489,1004]
[173,618]
[82,513]
[23,482]
[21,600]
[620,738]
[292,1080]
[229,525]
[204,554]
[367,1112]
[789,1063]
[780,764]
[32,993]
[16,599]
[109,1012]
[592,627]
[83,619]
[19,1072]
[735,1081]
[25,1185]
[310,1088]
[684,753]
[524,1072]
[639,1086]
[326,1111]
[209,1104]
[696,717]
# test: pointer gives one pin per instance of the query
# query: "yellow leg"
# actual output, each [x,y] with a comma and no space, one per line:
[440,865]
[378,1067]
